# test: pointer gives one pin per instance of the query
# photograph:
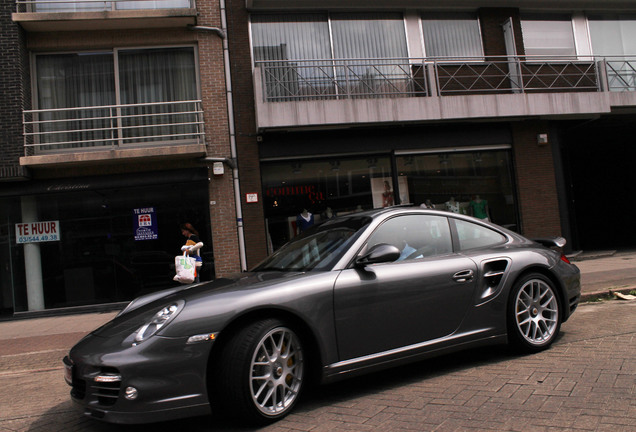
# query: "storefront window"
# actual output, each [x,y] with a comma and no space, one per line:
[477,183]
[299,193]
[103,252]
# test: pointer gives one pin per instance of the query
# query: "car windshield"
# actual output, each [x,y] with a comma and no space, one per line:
[318,248]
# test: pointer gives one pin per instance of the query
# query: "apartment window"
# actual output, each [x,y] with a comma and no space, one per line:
[613,35]
[548,35]
[368,36]
[291,37]
[452,35]
[322,55]
[80,105]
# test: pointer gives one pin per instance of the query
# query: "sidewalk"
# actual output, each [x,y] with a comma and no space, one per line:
[604,272]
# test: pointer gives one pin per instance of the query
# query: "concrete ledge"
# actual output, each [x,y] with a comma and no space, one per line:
[115,155]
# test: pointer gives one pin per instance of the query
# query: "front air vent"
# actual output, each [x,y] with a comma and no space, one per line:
[106,386]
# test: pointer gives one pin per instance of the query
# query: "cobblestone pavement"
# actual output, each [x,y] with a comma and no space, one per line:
[586,381]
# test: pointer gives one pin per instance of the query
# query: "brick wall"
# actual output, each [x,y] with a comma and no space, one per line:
[217,134]
[491,20]
[12,88]
[536,182]
[245,122]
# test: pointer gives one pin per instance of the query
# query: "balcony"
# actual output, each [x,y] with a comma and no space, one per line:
[300,93]
[116,133]
[61,15]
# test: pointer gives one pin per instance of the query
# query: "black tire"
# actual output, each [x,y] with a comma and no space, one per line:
[260,373]
[534,313]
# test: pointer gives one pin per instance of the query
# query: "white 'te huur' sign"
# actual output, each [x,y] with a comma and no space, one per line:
[37,232]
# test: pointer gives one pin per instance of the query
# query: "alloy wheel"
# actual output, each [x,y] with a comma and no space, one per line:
[276,371]
[536,312]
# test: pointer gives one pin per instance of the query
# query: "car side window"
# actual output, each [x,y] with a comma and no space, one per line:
[417,236]
[472,236]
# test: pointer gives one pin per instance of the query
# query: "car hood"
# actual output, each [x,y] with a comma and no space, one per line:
[140,310]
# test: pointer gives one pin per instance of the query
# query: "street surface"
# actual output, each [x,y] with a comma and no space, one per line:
[585,382]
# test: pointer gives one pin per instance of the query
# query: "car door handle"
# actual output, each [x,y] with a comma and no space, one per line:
[463,276]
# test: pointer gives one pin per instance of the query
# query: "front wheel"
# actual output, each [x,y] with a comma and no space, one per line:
[534,317]
[262,372]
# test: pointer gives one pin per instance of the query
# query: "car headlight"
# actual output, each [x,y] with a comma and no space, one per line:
[159,320]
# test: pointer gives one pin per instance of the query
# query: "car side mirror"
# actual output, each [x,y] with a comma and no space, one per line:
[380,253]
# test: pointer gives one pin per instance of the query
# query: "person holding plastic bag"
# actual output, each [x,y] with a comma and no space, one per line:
[188,266]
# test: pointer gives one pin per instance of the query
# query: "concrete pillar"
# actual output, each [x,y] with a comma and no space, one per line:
[32,259]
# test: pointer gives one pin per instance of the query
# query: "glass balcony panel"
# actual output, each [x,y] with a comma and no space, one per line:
[50,6]
[152,4]
[71,6]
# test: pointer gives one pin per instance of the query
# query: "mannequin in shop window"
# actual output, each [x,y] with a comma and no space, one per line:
[387,195]
[479,208]
[304,221]
[452,205]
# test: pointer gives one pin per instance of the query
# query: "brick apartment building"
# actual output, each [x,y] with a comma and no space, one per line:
[115,130]
[120,122]
[527,104]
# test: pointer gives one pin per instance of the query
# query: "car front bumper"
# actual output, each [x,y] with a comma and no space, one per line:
[160,379]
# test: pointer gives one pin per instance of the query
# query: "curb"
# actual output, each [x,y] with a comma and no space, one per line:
[605,295]
[584,256]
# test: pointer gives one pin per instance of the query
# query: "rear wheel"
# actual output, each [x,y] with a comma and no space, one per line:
[261,372]
[534,317]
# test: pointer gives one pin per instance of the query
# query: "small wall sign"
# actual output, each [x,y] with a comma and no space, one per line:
[37,232]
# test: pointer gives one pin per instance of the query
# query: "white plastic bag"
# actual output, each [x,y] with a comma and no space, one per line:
[184,266]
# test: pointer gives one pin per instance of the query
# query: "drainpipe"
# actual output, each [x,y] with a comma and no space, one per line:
[231,162]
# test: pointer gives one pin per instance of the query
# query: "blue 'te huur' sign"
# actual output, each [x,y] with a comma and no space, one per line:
[145,223]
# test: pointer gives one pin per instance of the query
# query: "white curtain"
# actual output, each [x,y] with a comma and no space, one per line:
[368,36]
[452,35]
[548,36]
[291,37]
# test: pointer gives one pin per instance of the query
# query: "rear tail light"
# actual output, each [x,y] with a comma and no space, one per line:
[565,259]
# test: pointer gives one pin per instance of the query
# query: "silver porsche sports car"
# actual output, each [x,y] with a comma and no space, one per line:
[354,294]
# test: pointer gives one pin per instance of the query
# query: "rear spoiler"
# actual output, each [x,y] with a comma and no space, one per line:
[551,242]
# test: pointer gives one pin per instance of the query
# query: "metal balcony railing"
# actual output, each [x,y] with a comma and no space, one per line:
[49,6]
[296,80]
[515,75]
[288,80]
[112,127]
